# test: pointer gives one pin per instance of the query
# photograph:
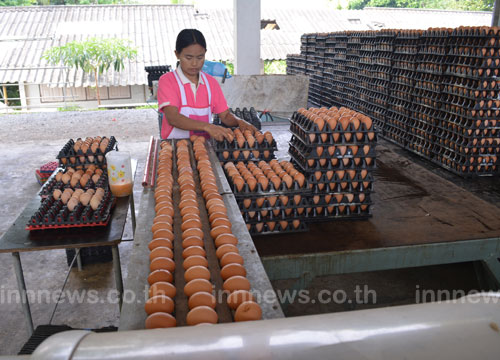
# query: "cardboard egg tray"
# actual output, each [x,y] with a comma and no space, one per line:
[69,157]
[278,229]
[53,214]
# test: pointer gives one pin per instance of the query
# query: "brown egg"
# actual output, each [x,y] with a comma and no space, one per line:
[59,176]
[160,275]
[72,203]
[94,202]
[221,221]
[190,224]
[202,298]
[196,272]
[163,233]
[85,198]
[160,242]
[197,285]
[268,136]
[218,230]
[226,238]
[192,232]
[231,258]
[192,241]
[160,321]
[66,178]
[248,311]
[236,283]
[237,297]
[162,288]
[201,314]
[232,269]
[193,250]
[195,260]
[223,249]
[57,194]
[161,225]
[162,263]
[159,303]
[161,251]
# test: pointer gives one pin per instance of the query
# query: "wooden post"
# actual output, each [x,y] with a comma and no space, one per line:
[495,20]
[5,96]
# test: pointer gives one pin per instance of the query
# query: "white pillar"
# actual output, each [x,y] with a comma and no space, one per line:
[22,96]
[246,37]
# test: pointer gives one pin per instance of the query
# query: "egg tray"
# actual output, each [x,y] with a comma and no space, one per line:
[468,173]
[336,214]
[305,129]
[249,115]
[331,188]
[53,214]
[278,229]
[254,217]
[301,163]
[69,157]
[52,184]
[466,114]
[241,156]
[278,205]
[310,152]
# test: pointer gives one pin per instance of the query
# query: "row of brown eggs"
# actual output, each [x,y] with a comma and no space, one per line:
[75,177]
[263,173]
[93,144]
[198,289]
[71,198]
[251,138]
[160,304]
[271,225]
[333,116]
[232,272]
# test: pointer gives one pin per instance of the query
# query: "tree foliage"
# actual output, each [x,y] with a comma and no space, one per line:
[60,2]
[472,5]
[94,56]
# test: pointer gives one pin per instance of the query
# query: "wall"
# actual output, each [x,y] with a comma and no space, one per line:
[280,94]
[138,96]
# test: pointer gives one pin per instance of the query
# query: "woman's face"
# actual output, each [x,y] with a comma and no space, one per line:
[191,59]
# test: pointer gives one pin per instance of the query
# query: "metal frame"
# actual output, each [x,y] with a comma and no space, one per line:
[305,267]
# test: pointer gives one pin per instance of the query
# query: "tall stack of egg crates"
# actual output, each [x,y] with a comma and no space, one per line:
[335,149]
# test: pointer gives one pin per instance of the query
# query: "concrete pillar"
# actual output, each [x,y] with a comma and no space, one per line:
[246,37]
[495,21]
[22,96]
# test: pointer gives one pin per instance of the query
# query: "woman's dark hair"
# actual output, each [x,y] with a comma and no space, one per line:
[189,37]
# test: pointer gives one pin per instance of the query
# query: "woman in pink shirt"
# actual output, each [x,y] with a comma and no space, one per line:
[188,97]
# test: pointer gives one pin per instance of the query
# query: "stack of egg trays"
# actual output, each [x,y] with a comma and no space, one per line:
[226,151]
[53,214]
[69,157]
[304,156]
[253,214]
[467,135]
[52,184]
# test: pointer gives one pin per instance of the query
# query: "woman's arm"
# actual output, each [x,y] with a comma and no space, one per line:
[180,121]
[230,119]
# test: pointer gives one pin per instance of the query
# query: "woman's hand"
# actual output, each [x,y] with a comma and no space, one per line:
[219,133]
[244,125]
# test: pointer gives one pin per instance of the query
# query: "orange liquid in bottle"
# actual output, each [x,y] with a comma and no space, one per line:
[121,190]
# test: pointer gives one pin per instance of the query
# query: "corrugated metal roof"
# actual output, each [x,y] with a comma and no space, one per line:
[26,32]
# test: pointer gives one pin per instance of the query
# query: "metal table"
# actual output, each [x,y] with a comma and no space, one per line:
[419,219]
[17,239]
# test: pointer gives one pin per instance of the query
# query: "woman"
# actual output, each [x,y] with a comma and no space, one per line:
[187,97]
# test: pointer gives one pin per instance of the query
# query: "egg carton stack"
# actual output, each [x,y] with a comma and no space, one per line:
[329,71]
[351,90]
[73,198]
[335,149]
[246,146]
[88,151]
[467,134]
[272,196]
[316,90]
[337,94]
[401,91]
[295,64]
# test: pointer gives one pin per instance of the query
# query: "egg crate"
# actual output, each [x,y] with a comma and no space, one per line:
[487,155]
[342,162]
[343,186]
[249,115]
[461,132]
[69,157]
[254,217]
[339,212]
[341,198]
[278,204]
[278,229]
[458,112]
[311,151]
[53,214]
[52,184]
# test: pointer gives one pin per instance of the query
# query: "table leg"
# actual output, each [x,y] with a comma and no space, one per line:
[118,272]
[78,259]
[21,285]
[132,212]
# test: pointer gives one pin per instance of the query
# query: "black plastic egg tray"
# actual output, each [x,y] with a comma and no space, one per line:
[52,184]
[278,229]
[253,217]
[311,135]
[69,157]
[249,115]
[244,155]
[53,214]
[344,162]
[323,213]
[266,204]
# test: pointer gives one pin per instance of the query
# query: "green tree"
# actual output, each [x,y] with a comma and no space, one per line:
[94,56]
[471,5]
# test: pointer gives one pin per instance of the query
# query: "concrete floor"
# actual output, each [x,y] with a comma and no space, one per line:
[23,151]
